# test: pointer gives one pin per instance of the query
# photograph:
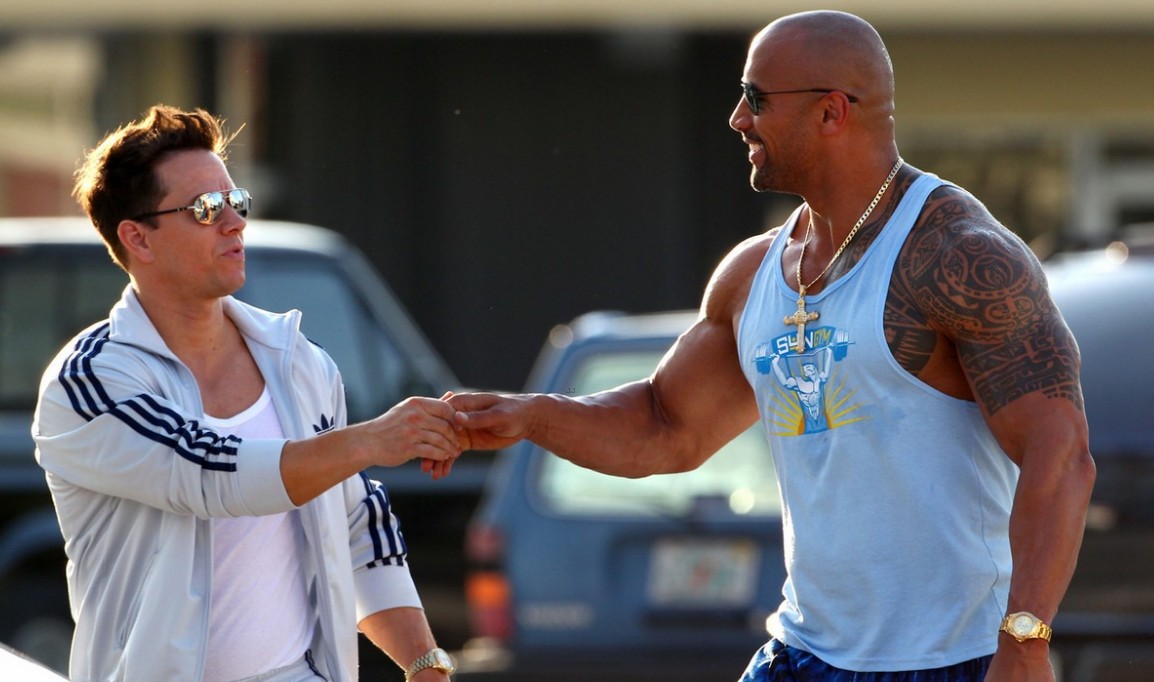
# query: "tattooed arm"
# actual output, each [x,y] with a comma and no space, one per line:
[969,312]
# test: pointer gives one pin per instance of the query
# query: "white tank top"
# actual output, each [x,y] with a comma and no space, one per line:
[260,618]
[897,497]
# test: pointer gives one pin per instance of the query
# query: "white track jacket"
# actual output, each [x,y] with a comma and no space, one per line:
[136,479]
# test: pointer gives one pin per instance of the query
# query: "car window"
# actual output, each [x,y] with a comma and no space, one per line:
[46,297]
[739,477]
[375,372]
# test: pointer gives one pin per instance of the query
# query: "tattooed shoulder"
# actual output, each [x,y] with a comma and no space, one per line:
[963,276]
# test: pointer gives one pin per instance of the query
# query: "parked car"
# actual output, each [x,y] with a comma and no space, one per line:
[1105,629]
[582,576]
[56,278]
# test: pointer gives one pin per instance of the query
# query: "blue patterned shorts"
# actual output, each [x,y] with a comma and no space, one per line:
[777,662]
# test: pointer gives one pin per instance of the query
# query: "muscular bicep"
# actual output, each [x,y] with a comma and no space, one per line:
[701,392]
[699,386]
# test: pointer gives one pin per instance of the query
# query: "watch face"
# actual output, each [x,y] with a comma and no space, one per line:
[443,660]
[1022,625]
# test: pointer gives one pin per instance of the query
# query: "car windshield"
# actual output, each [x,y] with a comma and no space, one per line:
[740,477]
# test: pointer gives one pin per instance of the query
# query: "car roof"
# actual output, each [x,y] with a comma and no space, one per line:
[1105,297]
[598,329]
[79,230]
[618,325]
[1108,288]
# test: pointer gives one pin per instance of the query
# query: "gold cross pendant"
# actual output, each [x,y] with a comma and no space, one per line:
[800,318]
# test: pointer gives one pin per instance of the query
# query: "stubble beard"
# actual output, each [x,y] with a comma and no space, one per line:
[770,177]
[762,179]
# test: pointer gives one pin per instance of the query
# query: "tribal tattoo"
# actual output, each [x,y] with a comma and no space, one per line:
[965,283]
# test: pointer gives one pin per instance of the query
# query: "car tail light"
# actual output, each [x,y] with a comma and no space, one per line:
[487,592]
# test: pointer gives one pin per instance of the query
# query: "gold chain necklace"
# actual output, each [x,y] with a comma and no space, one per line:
[801,316]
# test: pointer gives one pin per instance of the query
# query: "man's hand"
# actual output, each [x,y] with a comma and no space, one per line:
[487,421]
[440,468]
[414,428]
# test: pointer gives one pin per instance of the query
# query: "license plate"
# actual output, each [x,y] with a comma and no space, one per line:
[703,572]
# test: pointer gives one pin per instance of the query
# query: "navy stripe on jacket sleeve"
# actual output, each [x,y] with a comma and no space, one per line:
[381,530]
[142,413]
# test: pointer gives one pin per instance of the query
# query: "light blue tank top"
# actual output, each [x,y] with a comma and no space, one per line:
[897,497]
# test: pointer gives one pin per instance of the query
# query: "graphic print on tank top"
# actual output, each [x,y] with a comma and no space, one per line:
[837,378]
[809,397]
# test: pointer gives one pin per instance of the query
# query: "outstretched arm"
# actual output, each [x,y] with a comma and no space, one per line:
[670,422]
[696,401]
[414,428]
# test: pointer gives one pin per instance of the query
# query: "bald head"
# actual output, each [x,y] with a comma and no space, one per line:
[799,142]
[824,49]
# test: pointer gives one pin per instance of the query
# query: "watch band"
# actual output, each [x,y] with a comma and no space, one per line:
[1024,625]
[436,658]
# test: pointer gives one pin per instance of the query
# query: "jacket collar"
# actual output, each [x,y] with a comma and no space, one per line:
[130,324]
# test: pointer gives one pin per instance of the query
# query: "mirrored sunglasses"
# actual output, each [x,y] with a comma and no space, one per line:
[208,207]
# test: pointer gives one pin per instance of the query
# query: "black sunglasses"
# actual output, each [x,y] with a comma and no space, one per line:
[209,206]
[753,95]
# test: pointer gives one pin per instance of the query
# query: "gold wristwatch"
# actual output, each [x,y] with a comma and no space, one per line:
[437,659]
[1024,625]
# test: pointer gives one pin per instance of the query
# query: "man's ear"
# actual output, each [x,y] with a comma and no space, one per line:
[137,240]
[835,113]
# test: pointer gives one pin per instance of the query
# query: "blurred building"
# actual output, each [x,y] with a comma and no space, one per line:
[509,164]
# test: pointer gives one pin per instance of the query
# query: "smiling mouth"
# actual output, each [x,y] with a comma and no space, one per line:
[755,148]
